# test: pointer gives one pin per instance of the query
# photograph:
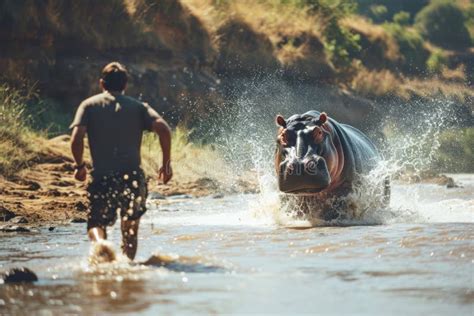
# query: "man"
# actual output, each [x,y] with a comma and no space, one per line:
[114,124]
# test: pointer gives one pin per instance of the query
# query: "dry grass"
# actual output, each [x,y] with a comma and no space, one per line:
[267,17]
[375,84]
[287,36]
[435,87]
[384,83]
[16,139]
[456,75]
[190,161]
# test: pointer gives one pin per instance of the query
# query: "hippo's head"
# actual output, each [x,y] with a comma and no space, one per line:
[305,154]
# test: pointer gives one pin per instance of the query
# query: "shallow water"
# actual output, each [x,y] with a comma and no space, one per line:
[239,255]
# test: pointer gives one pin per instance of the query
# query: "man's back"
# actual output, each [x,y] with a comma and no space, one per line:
[115,124]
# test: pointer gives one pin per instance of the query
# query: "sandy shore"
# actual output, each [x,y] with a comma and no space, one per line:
[47,194]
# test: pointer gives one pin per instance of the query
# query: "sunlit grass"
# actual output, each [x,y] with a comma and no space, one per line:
[17,140]
[190,161]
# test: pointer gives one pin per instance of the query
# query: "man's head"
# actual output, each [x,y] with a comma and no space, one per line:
[114,77]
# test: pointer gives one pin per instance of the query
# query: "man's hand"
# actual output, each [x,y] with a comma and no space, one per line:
[165,173]
[80,174]
[164,133]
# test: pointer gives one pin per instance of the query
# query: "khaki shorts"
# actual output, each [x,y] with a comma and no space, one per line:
[116,193]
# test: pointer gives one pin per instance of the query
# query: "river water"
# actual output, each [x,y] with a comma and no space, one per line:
[238,255]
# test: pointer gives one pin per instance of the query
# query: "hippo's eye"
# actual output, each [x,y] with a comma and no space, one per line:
[283,138]
[287,138]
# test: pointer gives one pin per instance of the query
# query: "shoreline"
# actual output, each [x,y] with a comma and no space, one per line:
[47,194]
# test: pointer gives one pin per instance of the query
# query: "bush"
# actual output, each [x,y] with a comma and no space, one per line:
[443,23]
[411,48]
[341,44]
[469,13]
[16,148]
[379,13]
[456,150]
[436,62]
[49,116]
[402,18]
[371,8]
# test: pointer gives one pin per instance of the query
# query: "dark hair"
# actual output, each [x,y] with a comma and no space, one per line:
[114,76]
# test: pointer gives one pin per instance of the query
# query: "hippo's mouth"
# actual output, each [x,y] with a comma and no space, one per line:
[304,184]
[309,191]
[302,180]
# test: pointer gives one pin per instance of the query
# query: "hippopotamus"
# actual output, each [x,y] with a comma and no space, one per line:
[320,159]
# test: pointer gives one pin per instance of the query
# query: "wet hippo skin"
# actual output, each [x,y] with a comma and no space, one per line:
[319,157]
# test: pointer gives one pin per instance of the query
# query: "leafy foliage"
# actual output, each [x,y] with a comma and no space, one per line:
[456,151]
[443,23]
[373,8]
[436,61]
[411,47]
[402,18]
[16,148]
[379,13]
[341,44]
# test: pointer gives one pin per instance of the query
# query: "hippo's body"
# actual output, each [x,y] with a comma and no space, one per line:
[318,157]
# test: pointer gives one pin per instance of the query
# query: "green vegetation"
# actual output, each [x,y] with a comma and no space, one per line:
[443,23]
[17,140]
[340,43]
[469,14]
[385,10]
[402,18]
[412,51]
[379,13]
[379,49]
[436,62]
[23,139]
[456,150]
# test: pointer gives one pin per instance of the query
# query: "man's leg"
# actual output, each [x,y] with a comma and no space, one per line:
[97,233]
[130,237]
[100,252]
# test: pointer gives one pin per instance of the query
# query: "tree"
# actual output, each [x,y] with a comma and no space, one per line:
[443,23]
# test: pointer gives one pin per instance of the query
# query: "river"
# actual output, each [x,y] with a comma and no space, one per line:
[237,255]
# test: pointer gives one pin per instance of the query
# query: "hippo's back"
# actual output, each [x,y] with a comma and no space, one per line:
[362,149]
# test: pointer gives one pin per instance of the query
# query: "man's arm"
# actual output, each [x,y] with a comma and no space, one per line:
[77,148]
[160,127]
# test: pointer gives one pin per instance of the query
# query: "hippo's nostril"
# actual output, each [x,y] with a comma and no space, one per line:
[290,168]
[310,167]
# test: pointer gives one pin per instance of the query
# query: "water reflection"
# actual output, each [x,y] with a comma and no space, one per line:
[85,295]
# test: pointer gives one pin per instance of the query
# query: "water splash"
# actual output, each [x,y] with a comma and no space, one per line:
[102,252]
[411,142]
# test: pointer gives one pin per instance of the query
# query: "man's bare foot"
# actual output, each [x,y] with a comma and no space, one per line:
[102,252]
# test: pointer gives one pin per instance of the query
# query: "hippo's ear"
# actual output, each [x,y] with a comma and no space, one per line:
[280,121]
[323,117]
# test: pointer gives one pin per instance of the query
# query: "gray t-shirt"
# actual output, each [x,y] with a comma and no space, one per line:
[115,124]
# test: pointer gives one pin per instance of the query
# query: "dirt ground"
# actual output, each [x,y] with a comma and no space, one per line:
[47,194]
